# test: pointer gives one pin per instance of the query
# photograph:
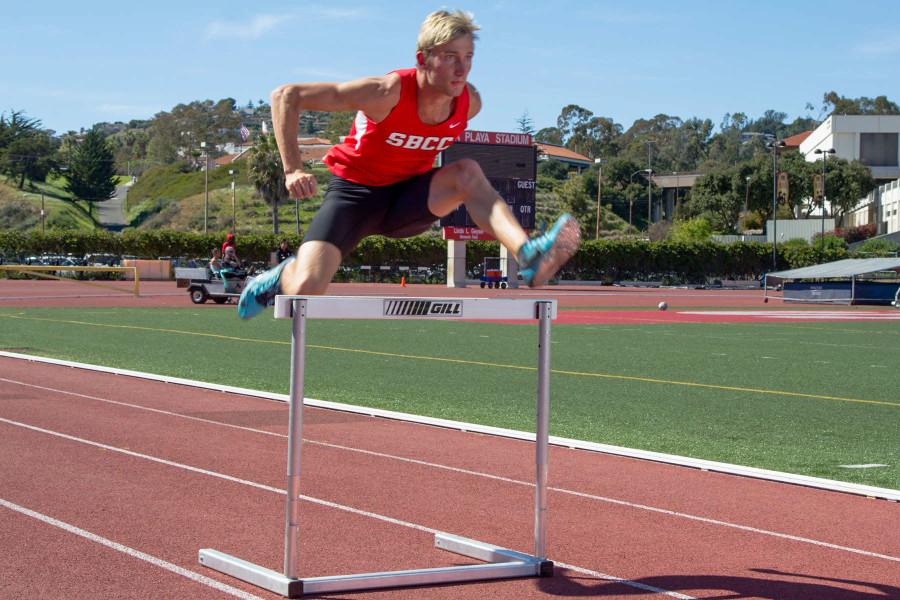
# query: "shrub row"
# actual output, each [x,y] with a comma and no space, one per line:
[608,260]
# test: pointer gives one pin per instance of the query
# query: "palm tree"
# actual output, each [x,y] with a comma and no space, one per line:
[267,174]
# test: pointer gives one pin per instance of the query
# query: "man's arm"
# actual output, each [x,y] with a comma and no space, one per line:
[375,96]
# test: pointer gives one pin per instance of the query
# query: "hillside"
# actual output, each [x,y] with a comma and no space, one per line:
[168,197]
[171,198]
[21,209]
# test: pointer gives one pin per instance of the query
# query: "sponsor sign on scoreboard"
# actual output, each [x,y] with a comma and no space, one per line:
[509,161]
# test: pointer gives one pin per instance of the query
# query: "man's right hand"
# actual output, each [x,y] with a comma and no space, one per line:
[300,184]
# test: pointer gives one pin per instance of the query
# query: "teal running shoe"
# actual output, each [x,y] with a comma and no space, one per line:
[261,291]
[542,256]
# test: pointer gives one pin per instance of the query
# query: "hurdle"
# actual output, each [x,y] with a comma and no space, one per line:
[497,562]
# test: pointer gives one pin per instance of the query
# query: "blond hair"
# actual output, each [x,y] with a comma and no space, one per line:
[443,26]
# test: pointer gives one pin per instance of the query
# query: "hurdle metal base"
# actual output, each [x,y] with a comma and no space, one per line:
[500,563]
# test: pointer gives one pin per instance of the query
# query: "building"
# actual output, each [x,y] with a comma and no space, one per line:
[312,150]
[881,207]
[794,141]
[564,155]
[874,140]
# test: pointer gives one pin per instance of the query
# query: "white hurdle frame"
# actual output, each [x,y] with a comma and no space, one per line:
[498,563]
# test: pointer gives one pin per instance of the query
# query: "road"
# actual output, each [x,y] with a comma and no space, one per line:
[111,213]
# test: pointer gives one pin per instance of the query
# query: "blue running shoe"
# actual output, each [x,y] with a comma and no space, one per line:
[260,291]
[542,256]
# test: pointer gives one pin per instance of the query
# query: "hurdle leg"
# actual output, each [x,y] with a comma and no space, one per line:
[295,441]
[542,431]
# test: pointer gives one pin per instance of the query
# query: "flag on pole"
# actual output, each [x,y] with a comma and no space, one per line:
[265,129]
[245,133]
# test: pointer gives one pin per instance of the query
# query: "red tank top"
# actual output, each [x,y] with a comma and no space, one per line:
[399,147]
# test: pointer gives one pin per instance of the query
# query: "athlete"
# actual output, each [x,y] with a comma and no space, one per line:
[383,180]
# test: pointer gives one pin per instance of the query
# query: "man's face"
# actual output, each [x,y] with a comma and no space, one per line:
[448,66]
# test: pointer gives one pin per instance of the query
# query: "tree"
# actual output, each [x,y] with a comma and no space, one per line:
[713,197]
[525,124]
[576,198]
[549,135]
[570,118]
[338,126]
[91,170]
[267,174]
[846,183]
[836,104]
[26,151]
[691,231]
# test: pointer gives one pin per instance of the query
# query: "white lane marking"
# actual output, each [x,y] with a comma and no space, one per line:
[158,562]
[866,466]
[319,501]
[824,315]
[634,584]
[499,432]
[491,476]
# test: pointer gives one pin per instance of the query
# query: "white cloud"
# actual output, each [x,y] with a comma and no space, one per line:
[251,29]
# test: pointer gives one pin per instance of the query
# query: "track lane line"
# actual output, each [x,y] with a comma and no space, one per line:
[153,560]
[481,474]
[460,361]
[318,501]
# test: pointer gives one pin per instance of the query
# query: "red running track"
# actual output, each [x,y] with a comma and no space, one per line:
[31,293]
[163,470]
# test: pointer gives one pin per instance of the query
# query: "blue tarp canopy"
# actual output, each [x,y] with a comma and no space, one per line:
[841,269]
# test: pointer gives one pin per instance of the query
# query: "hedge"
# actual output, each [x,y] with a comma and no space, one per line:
[607,260]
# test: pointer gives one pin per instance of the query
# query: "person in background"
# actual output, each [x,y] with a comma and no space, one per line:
[284,251]
[229,241]
[215,263]
[231,268]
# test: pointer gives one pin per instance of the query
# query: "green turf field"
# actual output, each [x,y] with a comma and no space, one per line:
[796,397]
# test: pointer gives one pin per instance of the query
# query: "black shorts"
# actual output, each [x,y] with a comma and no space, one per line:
[352,211]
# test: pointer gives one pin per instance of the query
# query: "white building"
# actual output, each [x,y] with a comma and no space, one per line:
[881,207]
[874,140]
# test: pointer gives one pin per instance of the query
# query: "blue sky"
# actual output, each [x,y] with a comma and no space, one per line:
[71,64]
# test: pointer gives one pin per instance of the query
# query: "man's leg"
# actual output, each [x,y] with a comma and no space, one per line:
[463,182]
[309,273]
[313,269]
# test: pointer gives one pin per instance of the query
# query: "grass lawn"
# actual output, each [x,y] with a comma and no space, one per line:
[802,398]
[24,207]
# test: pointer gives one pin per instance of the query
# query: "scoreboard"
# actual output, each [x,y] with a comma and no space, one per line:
[509,161]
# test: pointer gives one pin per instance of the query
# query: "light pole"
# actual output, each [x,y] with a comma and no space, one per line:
[205,185]
[775,145]
[747,194]
[824,154]
[232,172]
[599,162]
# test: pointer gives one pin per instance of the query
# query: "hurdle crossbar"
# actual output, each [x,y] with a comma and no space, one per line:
[497,562]
[46,272]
